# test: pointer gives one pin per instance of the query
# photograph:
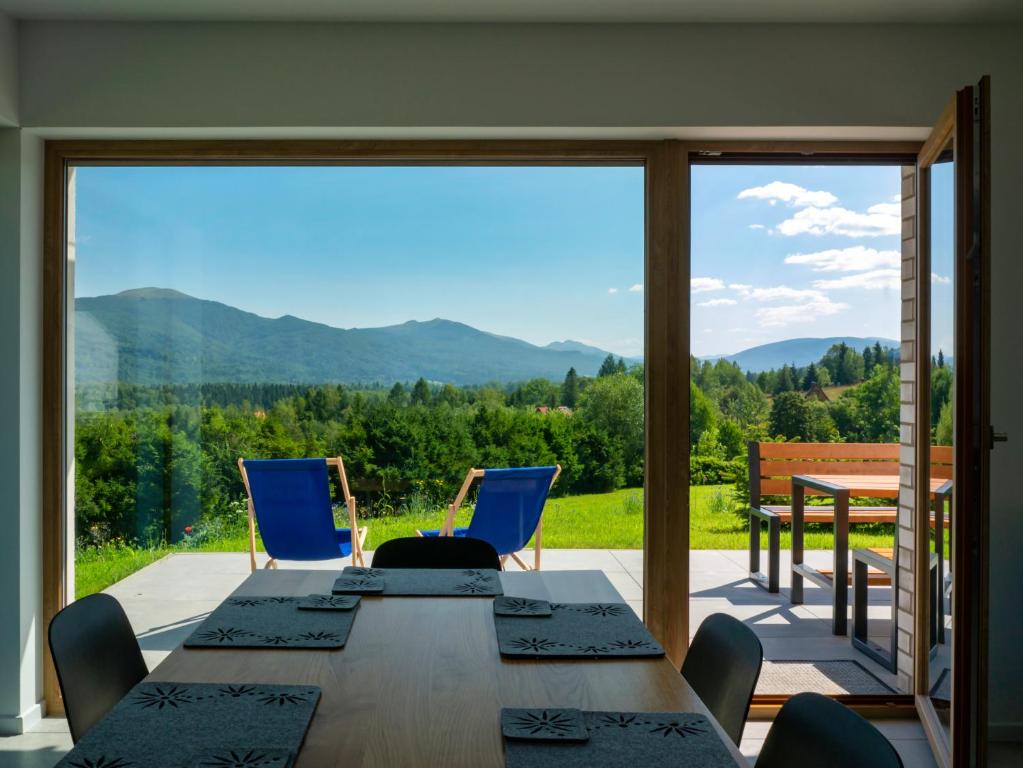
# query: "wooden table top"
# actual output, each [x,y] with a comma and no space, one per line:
[421,682]
[869,485]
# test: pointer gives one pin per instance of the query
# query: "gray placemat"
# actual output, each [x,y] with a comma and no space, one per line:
[521,606]
[271,622]
[419,582]
[648,739]
[548,724]
[180,725]
[574,630]
[328,602]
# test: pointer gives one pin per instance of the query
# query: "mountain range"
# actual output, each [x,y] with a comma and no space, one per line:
[157,335]
[160,336]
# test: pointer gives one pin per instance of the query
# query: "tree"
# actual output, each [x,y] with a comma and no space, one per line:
[941,359]
[608,367]
[811,377]
[397,395]
[701,414]
[786,380]
[878,398]
[570,389]
[614,405]
[620,366]
[869,361]
[881,356]
[421,392]
[790,416]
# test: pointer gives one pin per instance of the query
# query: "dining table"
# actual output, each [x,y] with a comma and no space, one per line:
[842,488]
[421,682]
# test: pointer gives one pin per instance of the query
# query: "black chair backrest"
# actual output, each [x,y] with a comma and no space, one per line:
[723,666]
[436,552]
[813,731]
[97,658]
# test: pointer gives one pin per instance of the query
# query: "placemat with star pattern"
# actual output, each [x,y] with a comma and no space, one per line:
[277,622]
[550,738]
[419,582]
[181,725]
[576,630]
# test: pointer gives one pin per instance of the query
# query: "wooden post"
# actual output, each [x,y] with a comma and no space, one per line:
[666,493]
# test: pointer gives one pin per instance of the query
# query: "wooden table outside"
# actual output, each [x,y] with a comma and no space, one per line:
[420,681]
[841,487]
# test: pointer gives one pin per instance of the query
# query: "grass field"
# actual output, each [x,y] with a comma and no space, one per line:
[592,521]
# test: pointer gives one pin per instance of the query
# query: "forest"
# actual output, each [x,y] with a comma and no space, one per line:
[152,462]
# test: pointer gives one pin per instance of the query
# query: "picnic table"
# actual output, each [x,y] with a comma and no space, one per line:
[841,488]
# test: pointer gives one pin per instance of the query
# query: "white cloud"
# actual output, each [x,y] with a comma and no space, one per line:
[854,259]
[942,279]
[637,288]
[703,284]
[874,280]
[785,293]
[757,226]
[740,287]
[717,303]
[612,290]
[795,314]
[880,219]
[793,194]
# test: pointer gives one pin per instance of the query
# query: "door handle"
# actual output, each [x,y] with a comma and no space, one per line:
[998,437]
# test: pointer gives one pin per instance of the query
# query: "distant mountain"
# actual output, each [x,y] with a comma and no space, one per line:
[577,346]
[156,335]
[797,351]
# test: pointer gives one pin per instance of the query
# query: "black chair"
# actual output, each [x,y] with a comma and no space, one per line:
[813,731]
[723,666]
[97,658]
[436,552]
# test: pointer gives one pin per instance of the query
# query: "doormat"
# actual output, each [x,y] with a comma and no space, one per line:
[834,677]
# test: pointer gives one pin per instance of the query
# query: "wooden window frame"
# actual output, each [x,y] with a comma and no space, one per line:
[666,324]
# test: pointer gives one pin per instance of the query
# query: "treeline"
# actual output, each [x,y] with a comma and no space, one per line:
[841,365]
[146,472]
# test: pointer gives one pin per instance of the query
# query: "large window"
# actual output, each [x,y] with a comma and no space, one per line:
[416,321]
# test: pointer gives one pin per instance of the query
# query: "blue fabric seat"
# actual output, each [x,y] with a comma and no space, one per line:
[508,510]
[290,501]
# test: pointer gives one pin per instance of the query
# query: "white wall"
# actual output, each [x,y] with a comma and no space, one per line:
[8,71]
[20,430]
[123,78]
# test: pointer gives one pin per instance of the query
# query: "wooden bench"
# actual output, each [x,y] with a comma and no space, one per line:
[771,467]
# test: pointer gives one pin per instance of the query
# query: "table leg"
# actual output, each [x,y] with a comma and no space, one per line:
[798,503]
[841,567]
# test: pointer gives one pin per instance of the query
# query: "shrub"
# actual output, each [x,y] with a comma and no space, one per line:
[710,470]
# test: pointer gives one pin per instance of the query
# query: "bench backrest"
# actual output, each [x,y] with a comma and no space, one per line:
[772,465]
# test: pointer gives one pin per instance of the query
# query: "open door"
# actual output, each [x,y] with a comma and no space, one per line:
[951,502]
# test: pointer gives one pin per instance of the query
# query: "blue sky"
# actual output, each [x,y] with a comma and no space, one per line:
[542,254]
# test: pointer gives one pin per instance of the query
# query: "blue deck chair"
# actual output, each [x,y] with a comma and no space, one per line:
[509,509]
[290,499]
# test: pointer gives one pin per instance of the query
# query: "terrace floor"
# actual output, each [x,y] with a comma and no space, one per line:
[166,600]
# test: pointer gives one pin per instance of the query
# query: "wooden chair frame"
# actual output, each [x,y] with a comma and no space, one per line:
[448,529]
[358,534]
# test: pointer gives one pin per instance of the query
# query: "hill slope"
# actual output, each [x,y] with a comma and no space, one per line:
[153,335]
[798,351]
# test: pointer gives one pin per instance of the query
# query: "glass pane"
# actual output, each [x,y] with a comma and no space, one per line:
[943,276]
[415,321]
[795,326]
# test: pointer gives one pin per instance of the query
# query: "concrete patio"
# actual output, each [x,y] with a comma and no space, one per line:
[166,600]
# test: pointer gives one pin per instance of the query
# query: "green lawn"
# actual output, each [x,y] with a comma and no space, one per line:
[597,521]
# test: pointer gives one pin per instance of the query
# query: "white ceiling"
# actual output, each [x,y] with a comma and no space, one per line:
[521,10]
